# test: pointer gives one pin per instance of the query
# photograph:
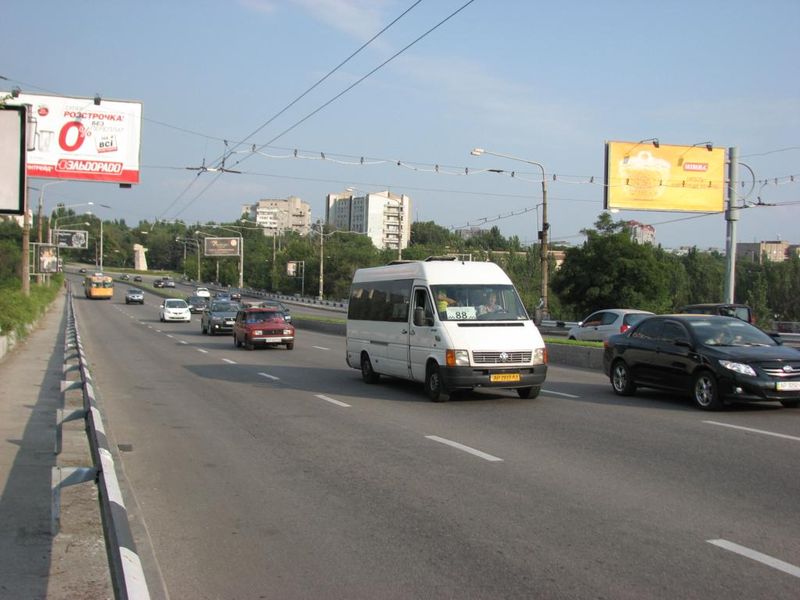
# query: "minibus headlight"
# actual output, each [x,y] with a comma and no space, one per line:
[540,356]
[457,358]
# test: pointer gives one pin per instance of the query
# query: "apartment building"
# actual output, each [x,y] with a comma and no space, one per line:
[772,251]
[383,216]
[277,215]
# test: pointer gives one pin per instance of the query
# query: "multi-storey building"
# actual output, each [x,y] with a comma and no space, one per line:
[773,251]
[277,216]
[641,233]
[383,216]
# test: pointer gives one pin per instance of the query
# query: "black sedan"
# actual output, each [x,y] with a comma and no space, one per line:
[716,360]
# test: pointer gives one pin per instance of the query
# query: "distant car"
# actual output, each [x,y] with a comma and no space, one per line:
[175,310]
[601,324]
[169,283]
[723,309]
[222,296]
[262,327]
[236,294]
[137,278]
[134,296]
[714,359]
[202,292]
[218,317]
[125,277]
[197,304]
[274,304]
[82,270]
[158,283]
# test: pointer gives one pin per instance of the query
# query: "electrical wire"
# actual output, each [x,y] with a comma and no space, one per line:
[347,89]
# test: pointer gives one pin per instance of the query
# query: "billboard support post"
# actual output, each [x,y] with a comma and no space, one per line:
[731,216]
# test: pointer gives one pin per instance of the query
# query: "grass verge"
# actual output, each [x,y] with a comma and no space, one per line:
[18,312]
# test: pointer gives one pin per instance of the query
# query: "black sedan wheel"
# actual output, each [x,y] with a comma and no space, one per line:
[704,391]
[621,379]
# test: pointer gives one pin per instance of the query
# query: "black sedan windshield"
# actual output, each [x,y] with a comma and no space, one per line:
[729,332]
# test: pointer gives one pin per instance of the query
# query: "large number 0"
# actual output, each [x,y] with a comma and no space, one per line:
[62,136]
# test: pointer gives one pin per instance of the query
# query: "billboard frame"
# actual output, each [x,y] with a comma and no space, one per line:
[650,176]
[222,247]
[13,176]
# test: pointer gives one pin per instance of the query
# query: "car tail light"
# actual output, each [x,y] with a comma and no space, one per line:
[624,328]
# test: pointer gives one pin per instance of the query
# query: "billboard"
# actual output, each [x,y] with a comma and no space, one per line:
[221,246]
[646,176]
[47,259]
[82,139]
[12,160]
[65,238]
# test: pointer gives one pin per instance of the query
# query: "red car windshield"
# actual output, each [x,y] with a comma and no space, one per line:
[264,316]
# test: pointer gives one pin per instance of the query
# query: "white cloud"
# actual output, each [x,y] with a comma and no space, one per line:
[359,18]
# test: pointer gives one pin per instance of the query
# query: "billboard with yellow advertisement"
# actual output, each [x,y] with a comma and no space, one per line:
[653,176]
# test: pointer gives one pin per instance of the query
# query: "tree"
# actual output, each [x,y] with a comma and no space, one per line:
[611,270]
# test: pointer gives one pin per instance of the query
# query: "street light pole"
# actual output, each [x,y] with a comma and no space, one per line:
[543,234]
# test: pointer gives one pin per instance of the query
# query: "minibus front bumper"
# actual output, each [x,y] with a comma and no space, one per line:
[455,378]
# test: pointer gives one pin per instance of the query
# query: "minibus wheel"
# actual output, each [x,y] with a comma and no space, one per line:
[528,392]
[367,373]
[433,383]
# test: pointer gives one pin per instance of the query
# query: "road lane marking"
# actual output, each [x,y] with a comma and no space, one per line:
[331,400]
[750,429]
[770,561]
[229,361]
[320,347]
[268,376]
[559,394]
[169,336]
[473,451]
[182,342]
[204,351]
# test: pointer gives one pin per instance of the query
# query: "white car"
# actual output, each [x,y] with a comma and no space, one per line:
[175,310]
[601,324]
[202,292]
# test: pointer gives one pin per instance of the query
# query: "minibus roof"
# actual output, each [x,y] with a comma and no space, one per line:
[437,272]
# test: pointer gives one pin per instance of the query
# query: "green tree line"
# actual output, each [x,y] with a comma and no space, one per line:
[608,270]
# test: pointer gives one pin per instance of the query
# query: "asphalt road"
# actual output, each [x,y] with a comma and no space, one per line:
[280,474]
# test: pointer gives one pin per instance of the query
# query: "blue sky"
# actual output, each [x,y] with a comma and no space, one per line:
[547,82]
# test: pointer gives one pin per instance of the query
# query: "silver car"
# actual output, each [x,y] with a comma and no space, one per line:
[134,296]
[601,324]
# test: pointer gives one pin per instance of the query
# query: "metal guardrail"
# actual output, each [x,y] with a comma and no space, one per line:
[127,576]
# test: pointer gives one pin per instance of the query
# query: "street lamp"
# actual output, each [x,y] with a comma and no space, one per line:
[545,225]
[64,206]
[196,243]
[41,205]
[88,212]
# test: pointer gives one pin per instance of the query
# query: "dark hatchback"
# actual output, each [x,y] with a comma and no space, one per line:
[716,360]
[218,317]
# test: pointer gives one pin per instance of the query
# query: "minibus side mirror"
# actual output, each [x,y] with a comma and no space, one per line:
[419,317]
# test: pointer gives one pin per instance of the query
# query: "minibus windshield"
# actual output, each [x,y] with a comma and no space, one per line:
[457,302]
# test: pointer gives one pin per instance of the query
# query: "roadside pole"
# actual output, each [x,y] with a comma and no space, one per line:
[731,216]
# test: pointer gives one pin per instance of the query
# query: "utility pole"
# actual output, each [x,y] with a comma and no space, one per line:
[321,257]
[731,216]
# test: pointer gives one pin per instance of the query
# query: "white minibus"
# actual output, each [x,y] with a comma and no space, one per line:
[451,324]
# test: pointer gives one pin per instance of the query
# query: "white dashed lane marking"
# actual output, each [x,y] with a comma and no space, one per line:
[765,559]
[464,448]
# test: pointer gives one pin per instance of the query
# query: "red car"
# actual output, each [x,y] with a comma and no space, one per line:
[262,327]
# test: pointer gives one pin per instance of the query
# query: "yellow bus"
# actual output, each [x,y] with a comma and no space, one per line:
[98,286]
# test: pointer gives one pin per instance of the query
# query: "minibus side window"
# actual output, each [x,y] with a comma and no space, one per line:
[423,310]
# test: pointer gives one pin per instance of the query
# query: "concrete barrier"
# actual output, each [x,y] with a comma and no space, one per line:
[558,354]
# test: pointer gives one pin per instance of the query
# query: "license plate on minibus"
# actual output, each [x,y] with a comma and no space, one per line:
[502,377]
